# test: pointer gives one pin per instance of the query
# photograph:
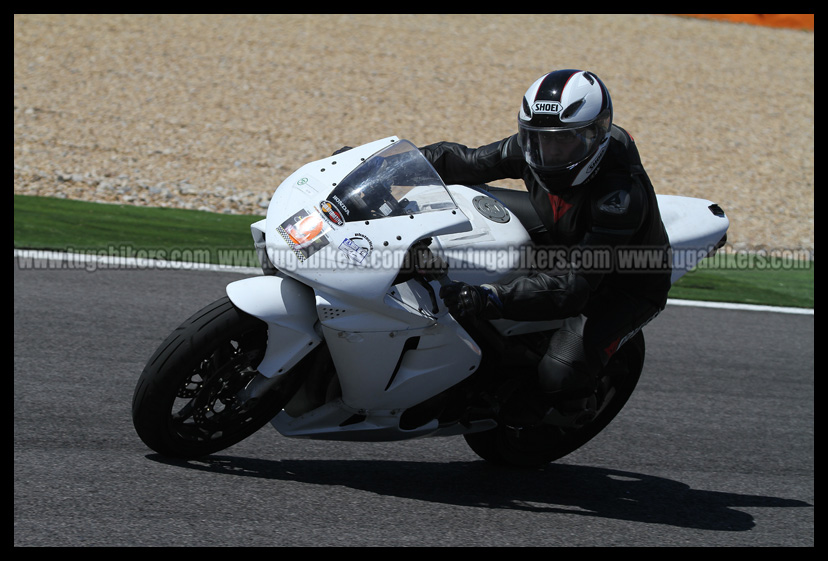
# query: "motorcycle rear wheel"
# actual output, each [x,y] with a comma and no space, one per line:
[186,402]
[536,447]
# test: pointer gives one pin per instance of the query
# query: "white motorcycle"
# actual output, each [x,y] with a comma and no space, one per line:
[344,338]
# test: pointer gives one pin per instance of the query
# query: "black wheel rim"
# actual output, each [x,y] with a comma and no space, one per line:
[207,406]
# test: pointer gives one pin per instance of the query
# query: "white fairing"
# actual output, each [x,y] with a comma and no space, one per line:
[338,247]
[286,306]
[354,259]
[693,228]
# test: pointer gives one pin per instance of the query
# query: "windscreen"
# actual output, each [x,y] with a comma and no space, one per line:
[395,181]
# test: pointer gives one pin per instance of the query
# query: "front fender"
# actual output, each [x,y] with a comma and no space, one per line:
[288,308]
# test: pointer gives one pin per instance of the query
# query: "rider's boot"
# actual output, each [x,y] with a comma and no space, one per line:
[528,407]
[570,411]
[568,390]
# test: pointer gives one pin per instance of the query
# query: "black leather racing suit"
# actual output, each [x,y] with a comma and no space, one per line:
[614,214]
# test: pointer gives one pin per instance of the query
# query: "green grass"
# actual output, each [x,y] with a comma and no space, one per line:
[749,279]
[175,234]
[132,231]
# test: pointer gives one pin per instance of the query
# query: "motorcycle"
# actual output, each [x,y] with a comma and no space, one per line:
[343,336]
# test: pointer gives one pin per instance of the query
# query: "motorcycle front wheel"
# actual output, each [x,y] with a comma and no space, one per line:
[187,401]
[536,447]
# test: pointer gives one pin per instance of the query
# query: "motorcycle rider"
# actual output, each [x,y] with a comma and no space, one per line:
[587,191]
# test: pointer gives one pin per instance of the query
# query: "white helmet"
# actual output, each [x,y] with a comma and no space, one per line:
[564,127]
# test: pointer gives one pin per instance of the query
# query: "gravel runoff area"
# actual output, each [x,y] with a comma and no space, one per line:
[212,112]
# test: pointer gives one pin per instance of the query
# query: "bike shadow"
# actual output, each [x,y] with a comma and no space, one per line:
[557,488]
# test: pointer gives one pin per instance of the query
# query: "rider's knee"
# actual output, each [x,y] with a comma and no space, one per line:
[567,366]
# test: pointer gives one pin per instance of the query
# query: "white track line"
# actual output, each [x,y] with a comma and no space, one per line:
[731,306]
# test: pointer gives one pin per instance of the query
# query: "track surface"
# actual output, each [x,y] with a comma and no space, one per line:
[715,449]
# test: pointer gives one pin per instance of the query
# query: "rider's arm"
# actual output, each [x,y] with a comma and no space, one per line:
[473,166]
[617,215]
[542,296]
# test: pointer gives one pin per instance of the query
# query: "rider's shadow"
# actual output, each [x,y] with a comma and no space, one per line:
[561,488]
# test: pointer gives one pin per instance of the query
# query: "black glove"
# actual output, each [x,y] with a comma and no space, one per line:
[466,300]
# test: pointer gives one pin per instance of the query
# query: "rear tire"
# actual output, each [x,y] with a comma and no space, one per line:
[186,402]
[538,446]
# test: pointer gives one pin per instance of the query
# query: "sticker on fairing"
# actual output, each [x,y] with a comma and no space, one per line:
[356,248]
[330,212]
[305,233]
[304,185]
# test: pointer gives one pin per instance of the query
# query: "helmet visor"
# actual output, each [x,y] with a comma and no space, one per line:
[556,148]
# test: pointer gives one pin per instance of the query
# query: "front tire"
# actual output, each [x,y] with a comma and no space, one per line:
[186,403]
[537,446]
